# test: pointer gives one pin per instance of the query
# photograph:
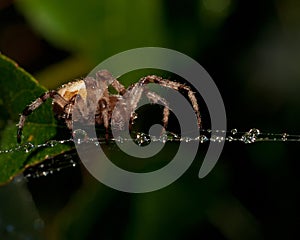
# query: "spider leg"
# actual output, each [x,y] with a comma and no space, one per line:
[118,87]
[99,96]
[76,109]
[104,112]
[132,97]
[176,86]
[38,102]
[155,98]
[106,77]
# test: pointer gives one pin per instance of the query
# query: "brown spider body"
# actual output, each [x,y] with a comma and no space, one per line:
[68,92]
[94,103]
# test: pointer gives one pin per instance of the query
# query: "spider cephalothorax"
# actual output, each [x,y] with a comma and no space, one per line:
[94,92]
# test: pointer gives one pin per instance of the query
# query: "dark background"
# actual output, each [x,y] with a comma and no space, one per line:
[252,51]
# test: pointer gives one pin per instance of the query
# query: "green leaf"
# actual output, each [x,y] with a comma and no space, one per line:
[18,89]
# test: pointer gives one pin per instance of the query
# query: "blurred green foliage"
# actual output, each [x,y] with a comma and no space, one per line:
[251,49]
[97,28]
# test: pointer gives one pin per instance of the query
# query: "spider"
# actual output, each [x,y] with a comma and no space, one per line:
[63,101]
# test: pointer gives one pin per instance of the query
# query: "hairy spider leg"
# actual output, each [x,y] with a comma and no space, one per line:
[155,98]
[34,105]
[98,97]
[107,102]
[107,78]
[71,112]
[104,113]
[129,102]
[176,86]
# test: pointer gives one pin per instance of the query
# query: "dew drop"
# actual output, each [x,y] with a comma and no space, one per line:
[163,138]
[234,131]
[186,139]
[250,136]
[230,139]
[51,143]
[216,138]
[119,139]
[213,138]
[202,138]
[28,147]
[174,135]
[80,136]
[284,137]
[154,139]
[254,131]
[142,139]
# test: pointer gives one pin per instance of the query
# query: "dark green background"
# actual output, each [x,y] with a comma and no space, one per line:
[250,48]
